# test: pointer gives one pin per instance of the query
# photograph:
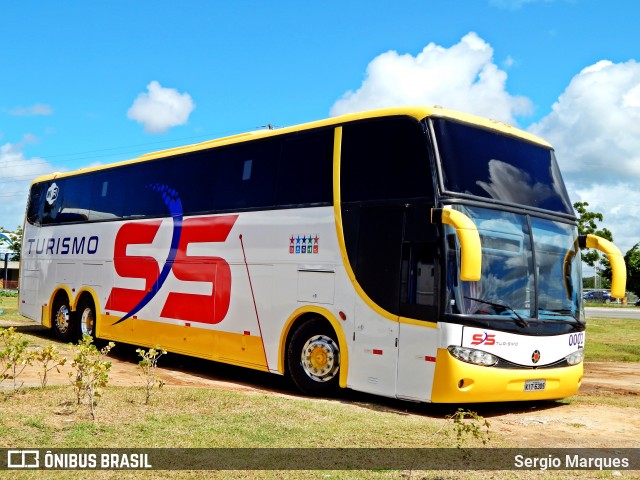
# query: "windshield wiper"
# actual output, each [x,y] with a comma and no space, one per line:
[560,313]
[556,313]
[521,322]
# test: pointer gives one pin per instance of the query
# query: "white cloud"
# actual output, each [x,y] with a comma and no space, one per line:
[34,110]
[595,129]
[462,77]
[161,108]
[16,173]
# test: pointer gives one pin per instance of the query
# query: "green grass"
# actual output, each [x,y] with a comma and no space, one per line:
[207,418]
[612,339]
[9,307]
[213,418]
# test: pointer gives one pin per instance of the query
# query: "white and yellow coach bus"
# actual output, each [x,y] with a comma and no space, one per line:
[416,253]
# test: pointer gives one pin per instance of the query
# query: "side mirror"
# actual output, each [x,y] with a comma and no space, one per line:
[618,268]
[467,232]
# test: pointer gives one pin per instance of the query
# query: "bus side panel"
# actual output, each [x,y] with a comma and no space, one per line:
[263,284]
[416,360]
[373,352]
[272,274]
[29,303]
[235,340]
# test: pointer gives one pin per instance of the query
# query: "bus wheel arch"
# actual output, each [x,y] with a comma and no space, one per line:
[62,318]
[313,357]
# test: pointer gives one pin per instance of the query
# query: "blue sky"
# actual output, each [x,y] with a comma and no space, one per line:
[80,81]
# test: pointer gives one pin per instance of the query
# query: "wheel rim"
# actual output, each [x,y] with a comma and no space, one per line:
[87,321]
[320,358]
[62,319]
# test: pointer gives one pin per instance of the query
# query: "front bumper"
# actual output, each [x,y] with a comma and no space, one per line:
[459,382]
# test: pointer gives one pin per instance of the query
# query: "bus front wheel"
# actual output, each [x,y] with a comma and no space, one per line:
[63,323]
[313,358]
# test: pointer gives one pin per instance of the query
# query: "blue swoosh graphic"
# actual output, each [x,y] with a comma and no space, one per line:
[173,203]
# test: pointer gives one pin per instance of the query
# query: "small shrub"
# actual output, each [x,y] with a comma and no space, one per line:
[91,371]
[14,356]
[148,366]
[49,359]
[467,423]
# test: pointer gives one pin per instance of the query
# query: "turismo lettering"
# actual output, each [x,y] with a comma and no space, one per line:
[63,246]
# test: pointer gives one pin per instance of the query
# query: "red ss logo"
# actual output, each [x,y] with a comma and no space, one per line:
[484,339]
[210,308]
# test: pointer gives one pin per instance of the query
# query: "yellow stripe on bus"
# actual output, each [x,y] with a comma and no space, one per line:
[227,347]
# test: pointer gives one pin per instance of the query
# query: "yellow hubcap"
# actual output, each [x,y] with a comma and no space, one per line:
[318,358]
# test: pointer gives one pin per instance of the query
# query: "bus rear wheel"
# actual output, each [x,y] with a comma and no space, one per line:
[62,319]
[86,312]
[313,358]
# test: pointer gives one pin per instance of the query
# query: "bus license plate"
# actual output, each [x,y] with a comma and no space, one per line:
[534,385]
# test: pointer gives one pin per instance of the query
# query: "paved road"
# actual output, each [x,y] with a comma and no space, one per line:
[627,312]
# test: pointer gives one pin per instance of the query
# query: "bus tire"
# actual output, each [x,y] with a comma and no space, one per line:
[313,358]
[62,319]
[86,313]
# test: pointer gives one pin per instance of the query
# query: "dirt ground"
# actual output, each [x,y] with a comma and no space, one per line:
[583,423]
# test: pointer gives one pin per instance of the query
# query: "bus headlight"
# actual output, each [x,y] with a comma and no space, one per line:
[576,357]
[470,355]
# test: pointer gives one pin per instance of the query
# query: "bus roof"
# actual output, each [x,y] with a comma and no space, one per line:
[418,113]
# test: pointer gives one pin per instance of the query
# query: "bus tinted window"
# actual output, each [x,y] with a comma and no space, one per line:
[36,203]
[75,195]
[141,199]
[305,172]
[192,176]
[385,159]
[246,175]
[289,171]
[107,196]
[66,200]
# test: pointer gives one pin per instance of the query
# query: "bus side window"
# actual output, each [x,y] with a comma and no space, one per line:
[418,273]
[386,190]
[305,171]
[383,160]
[35,210]
[246,175]
[67,200]
[107,196]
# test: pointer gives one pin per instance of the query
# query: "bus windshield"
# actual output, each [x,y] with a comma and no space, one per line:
[530,268]
[491,165]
